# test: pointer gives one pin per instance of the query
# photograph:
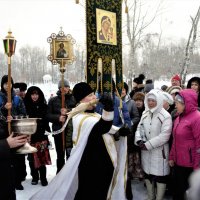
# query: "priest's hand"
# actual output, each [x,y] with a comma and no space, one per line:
[107,101]
[124,130]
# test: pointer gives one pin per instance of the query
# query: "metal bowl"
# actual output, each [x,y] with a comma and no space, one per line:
[25,126]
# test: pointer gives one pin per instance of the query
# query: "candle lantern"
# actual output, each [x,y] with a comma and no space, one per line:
[23,125]
[9,47]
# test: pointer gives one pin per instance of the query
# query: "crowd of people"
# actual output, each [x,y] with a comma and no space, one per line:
[149,134]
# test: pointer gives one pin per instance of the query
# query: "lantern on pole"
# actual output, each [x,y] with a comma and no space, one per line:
[9,46]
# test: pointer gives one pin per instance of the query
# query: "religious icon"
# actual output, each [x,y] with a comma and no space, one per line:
[61,52]
[61,49]
[106,27]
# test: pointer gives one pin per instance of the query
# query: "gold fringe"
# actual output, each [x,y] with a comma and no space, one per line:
[126,9]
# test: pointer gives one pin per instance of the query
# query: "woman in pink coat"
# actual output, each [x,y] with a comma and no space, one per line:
[185,151]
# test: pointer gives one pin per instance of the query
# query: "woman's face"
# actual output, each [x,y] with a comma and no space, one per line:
[165,105]
[195,86]
[123,94]
[180,107]
[5,86]
[106,26]
[139,103]
[152,103]
[34,97]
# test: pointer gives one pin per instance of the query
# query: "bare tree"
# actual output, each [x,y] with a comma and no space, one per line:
[136,23]
[190,45]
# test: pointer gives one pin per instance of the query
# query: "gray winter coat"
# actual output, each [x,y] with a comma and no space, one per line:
[132,109]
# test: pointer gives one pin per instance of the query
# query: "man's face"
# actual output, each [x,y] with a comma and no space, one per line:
[61,45]
[22,94]
[66,90]
[175,82]
[134,84]
[89,98]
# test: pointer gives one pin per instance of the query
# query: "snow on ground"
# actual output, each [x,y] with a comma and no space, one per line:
[29,189]
[139,191]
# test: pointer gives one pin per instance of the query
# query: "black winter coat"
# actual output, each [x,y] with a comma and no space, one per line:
[54,109]
[7,156]
[37,109]
[7,188]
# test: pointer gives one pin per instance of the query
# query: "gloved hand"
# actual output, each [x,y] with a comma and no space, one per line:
[141,145]
[124,130]
[107,102]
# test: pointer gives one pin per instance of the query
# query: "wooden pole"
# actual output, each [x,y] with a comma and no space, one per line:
[62,99]
[9,92]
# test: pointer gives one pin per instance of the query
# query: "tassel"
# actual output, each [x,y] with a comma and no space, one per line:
[99,76]
[77,1]
[126,9]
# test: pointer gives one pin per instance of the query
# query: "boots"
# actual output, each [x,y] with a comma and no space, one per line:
[43,178]
[160,191]
[34,172]
[150,189]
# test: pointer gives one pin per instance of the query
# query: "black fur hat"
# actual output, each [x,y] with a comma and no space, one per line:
[21,85]
[141,78]
[81,90]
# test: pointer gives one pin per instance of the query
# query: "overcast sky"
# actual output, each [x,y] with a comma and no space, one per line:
[33,21]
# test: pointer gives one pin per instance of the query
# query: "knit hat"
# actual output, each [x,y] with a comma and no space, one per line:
[173,89]
[126,87]
[164,87]
[136,80]
[176,77]
[149,81]
[81,90]
[66,83]
[139,79]
[168,98]
[138,96]
[148,86]
[21,85]
[179,98]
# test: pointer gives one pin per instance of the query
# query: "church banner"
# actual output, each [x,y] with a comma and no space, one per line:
[104,44]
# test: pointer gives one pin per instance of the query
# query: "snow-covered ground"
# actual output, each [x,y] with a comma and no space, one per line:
[29,189]
[139,191]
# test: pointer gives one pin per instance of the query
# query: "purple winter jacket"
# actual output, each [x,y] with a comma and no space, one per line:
[185,149]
